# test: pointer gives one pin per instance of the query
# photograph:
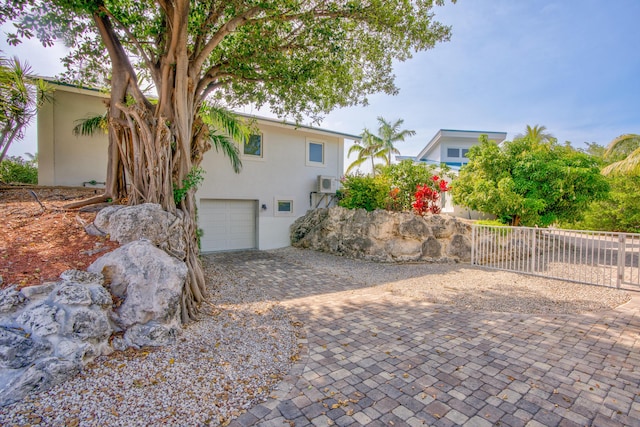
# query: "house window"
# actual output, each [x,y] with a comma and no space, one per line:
[315,153]
[283,207]
[453,153]
[253,146]
[465,152]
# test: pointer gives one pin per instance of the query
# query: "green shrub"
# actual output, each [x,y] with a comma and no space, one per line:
[364,192]
[404,177]
[491,222]
[16,170]
[620,211]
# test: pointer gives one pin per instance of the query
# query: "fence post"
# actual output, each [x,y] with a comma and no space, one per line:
[473,243]
[621,258]
[533,249]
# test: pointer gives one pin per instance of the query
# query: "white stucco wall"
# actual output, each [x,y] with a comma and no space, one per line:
[63,158]
[282,173]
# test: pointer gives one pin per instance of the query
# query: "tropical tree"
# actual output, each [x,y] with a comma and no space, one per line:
[526,182]
[390,133]
[537,134]
[369,148]
[20,98]
[296,57]
[625,151]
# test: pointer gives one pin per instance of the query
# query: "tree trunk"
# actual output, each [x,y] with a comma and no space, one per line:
[152,147]
[147,154]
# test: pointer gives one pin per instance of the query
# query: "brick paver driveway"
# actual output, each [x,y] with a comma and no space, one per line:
[371,358]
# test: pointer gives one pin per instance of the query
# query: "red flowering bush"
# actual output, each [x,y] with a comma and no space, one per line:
[427,196]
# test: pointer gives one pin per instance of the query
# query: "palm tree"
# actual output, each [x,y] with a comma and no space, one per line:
[20,98]
[627,146]
[367,148]
[390,133]
[536,134]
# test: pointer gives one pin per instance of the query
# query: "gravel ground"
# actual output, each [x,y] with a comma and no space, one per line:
[221,365]
[240,350]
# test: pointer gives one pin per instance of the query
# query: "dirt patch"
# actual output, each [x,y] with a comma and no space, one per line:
[39,239]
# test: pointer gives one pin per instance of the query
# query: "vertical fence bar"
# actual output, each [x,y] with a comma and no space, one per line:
[621,259]
[474,228]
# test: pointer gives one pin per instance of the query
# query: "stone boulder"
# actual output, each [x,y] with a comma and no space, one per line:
[384,236]
[149,221]
[49,332]
[147,284]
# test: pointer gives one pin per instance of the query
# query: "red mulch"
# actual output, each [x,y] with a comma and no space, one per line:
[37,244]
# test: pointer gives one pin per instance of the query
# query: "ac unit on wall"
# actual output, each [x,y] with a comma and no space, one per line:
[326,184]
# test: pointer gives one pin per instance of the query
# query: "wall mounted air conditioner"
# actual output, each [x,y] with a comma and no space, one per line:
[326,184]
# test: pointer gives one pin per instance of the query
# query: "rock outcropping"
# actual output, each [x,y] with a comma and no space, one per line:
[49,332]
[149,221]
[384,236]
[148,284]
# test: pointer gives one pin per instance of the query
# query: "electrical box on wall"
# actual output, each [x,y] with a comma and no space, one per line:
[326,184]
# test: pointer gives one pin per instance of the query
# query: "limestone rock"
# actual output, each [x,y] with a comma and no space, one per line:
[150,334]
[149,221]
[149,282]
[383,236]
[51,331]
[11,299]
[18,349]
[41,376]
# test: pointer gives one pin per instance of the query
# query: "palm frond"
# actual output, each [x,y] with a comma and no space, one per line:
[90,125]
[624,144]
[229,148]
[226,121]
[355,164]
[629,166]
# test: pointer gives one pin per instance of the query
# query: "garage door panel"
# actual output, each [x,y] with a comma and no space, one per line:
[227,224]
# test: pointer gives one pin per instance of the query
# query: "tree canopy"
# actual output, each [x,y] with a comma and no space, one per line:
[529,182]
[166,63]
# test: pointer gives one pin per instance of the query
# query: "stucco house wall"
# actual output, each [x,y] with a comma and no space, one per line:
[252,209]
[281,174]
[450,146]
[63,158]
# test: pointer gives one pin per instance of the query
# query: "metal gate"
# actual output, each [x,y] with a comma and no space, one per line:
[593,257]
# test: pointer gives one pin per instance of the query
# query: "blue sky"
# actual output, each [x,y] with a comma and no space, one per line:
[572,66]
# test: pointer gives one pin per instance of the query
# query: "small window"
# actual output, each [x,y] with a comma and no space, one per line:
[315,153]
[283,207]
[465,152]
[253,146]
[453,153]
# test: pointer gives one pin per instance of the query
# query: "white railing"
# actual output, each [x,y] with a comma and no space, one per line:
[594,257]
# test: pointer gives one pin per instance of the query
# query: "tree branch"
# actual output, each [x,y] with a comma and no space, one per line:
[225,30]
[131,37]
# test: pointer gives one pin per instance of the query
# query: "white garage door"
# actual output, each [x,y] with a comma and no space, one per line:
[227,224]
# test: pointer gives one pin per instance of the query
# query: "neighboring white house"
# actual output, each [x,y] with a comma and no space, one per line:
[287,169]
[451,147]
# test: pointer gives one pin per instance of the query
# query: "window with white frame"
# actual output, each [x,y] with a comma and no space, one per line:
[465,153]
[283,206]
[315,153]
[252,146]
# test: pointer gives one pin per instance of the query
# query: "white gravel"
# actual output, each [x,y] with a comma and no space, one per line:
[234,357]
[221,365]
